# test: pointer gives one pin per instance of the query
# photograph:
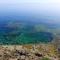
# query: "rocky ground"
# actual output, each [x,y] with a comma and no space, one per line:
[28,52]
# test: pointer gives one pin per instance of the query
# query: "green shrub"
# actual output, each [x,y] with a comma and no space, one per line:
[45,58]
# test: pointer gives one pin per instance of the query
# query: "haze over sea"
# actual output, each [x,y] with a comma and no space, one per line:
[28,21]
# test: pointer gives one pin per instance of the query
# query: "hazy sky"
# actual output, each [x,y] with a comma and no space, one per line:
[46,8]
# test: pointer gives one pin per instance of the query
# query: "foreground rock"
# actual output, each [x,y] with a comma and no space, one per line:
[28,52]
